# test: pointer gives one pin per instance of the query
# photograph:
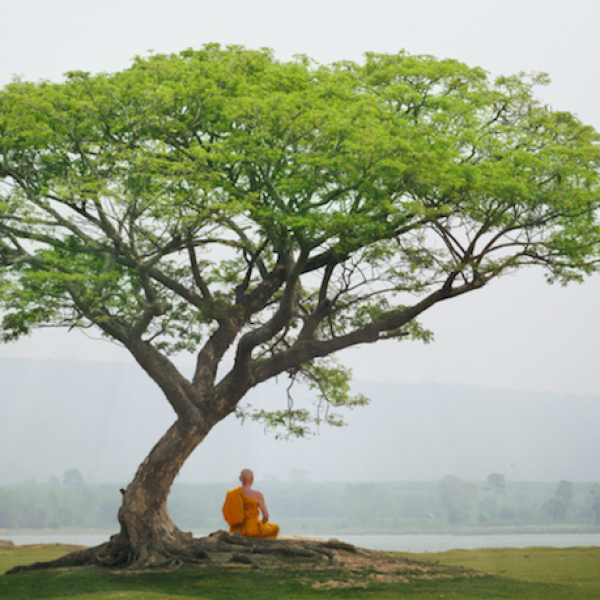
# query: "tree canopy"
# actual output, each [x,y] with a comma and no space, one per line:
[221,200]
[220,195]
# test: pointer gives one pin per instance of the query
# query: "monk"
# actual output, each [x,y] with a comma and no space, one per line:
[251,502]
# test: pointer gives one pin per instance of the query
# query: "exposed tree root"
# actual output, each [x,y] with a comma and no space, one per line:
[218,548]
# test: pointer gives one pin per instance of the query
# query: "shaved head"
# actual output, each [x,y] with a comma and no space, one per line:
[246,476]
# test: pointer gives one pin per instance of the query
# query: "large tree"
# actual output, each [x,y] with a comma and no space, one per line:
[223,202]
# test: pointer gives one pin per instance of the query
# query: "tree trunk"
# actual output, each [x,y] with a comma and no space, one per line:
[148,535]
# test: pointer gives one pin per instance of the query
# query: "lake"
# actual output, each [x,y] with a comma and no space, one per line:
[441,543]
[398,543]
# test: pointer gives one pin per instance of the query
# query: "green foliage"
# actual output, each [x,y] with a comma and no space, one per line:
[596,502]
[457,497]
[556,508]
[220,198]
[564,491]
[496,484]
[59,507]
[330,381]
[73,477]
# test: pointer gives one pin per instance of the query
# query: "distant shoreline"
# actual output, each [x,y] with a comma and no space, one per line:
[5,534]
[404,543]
[525,530]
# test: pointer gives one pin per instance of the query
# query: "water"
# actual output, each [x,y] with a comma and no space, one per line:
[441,543]
[398,543]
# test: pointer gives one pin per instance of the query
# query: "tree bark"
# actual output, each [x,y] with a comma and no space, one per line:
[148,535]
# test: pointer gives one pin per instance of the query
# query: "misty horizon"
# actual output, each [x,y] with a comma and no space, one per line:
[103,418]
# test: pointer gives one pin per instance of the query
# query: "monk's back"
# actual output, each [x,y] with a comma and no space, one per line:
[252,504]
[254,494]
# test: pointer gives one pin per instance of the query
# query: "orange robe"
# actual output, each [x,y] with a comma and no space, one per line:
[252,525]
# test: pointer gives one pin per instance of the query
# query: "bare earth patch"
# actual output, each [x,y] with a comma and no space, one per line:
[368,567]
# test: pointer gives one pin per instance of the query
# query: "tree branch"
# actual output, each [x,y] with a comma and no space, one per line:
[196,273]
[305,350]
[231,324]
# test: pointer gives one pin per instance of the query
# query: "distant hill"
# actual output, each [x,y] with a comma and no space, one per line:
[103,418]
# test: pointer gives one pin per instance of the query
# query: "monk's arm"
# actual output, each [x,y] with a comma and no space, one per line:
[263,508]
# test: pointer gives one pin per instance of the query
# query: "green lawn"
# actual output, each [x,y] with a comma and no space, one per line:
[576,568]
[532,574]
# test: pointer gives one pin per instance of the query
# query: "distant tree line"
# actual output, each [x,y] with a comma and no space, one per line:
[327,507]
[461,500]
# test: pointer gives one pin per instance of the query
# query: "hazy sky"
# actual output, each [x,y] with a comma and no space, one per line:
[103,418]
[519,333]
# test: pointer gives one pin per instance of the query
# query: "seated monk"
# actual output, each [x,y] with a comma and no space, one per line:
[248,502]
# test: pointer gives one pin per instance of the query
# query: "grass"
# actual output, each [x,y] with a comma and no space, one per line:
[575,568]
[532,573]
